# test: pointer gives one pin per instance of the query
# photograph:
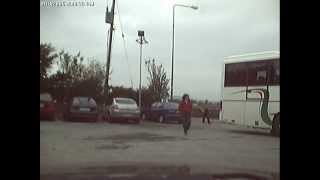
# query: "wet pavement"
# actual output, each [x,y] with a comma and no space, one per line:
[71,150]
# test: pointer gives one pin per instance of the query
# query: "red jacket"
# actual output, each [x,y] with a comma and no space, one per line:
[185,107]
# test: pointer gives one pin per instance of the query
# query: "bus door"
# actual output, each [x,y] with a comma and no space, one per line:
[257,85]
[234,97]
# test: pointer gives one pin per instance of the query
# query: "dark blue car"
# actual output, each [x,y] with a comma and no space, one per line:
[162,112]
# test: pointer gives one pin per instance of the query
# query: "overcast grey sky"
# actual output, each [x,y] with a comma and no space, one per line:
[203,37]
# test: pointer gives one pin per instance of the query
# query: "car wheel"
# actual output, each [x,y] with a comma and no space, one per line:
[161,119]
[276,125]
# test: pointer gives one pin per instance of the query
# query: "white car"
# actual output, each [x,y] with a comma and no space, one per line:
[123,109]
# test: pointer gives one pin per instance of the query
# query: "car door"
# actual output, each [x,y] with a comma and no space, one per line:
[154,110]
[159,110]
[148,111]
[169,109]
[164,110]
[112,104]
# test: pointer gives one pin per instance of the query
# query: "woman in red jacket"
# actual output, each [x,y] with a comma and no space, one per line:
[185,107]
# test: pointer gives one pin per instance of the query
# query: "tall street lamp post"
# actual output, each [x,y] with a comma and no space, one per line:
[172,56]
[141,41]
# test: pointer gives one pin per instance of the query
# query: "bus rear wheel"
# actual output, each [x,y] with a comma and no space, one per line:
[275,131]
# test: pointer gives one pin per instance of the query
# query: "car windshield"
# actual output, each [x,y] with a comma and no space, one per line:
[83,101]
[171,105]
[45,97]
[125,101]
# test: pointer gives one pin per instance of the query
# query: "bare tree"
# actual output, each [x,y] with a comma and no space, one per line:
[47,57]
[158,82]
[73,77]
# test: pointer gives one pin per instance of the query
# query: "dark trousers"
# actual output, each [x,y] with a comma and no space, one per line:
[204,116]
[186,122]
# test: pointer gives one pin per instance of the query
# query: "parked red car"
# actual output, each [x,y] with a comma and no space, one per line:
[47,107]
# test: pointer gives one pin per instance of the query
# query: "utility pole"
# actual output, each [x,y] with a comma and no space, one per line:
[141,41]
[172,54]
[109,20]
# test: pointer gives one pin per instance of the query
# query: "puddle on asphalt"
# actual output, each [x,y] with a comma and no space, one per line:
[113,147]
[149,137]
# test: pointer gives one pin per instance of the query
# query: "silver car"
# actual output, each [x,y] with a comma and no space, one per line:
[123,109]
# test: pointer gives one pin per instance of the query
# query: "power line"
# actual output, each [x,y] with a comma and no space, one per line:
[125,47]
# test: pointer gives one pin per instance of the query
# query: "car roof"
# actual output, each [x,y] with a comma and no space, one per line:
[164,103]
[172,102]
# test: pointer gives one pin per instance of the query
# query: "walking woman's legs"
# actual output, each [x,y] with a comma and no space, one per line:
[188,118]
[189,123]
[184,124]
[203,118]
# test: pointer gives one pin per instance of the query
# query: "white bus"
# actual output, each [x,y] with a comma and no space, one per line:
[251,90]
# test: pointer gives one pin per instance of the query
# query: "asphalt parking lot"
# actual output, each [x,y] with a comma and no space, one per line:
[72,149]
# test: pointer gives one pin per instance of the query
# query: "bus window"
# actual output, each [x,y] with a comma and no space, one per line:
[274,76]
[235,74]
[257,73]
[261,75]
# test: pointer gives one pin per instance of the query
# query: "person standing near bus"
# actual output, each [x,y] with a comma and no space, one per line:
[185,107]
[205,111]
